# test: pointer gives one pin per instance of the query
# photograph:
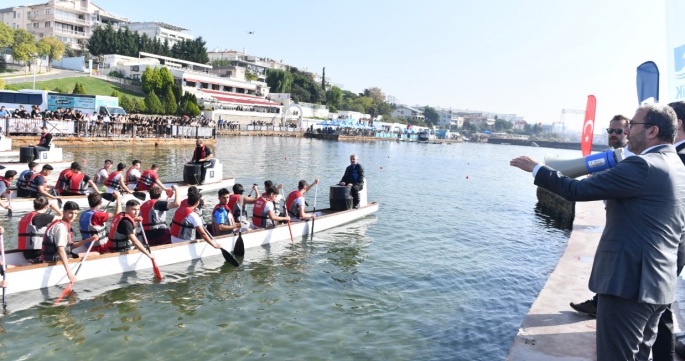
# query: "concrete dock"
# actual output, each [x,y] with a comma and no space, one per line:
[552,330]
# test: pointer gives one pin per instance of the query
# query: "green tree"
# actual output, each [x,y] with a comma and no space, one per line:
[220,62]
[376,94]
[166,80]
[364,102]
[51,47]
[126,103]
[150,80]
[280,81]
[323,79]
[138,106]
[115,94]
[24,46]
[501,124]
[60,90]
[384,109]
[6,36]
[78,89]
[332,109]
[250,76]
[153,104]
[334,96]
[170,105]
[432,116]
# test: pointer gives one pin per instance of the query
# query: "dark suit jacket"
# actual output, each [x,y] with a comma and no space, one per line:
[348,178]
[681,152]
[637,254]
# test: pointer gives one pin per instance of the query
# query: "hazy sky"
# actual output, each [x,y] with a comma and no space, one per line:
[529,57]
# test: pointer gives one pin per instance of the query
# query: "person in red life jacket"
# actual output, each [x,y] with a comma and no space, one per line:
[194,190]
[263,214]
[279,197]
[58,243]
[295,203]
[5,186]
[122,233]
[149,178]
[77,183]
[223,221]
[202,155]
[44,142]
[32,228]
[116,180]
[133,174]
[92,222]
[186,223]
[61,183]
[23,180]
[102,174]
[153,213]
[237,201]
[38,183]
[354,177]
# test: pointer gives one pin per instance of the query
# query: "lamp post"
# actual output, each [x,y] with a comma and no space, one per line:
[35,56]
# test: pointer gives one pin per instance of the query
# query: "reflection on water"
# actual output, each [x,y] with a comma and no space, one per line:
[446,269]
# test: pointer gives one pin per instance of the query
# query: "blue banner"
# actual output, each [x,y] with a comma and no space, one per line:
[675,43]
[647,83]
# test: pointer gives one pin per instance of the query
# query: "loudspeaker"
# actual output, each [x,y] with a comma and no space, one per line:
[581,166]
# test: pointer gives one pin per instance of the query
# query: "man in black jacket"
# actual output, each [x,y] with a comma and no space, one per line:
[354,177]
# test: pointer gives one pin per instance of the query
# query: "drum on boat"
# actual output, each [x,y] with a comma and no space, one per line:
[340,198]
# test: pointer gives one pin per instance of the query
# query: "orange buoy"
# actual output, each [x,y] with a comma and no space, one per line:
[84,161]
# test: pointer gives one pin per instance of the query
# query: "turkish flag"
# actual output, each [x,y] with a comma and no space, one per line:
[588,126]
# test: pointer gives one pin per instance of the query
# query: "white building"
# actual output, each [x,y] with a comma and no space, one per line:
[408,113]
[449,118]
[71,21]
[161,31]
[255,65]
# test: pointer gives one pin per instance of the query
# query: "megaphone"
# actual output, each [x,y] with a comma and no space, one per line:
[593,163]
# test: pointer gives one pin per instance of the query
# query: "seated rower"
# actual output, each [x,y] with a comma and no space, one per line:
[92,221]
[122,233]
[23,180]
[133,174]
[223,221]
[5,186]
[61,183]
[296,205]
[263,214]
[116,181]
[77,183]
[38,183]
[237,201]
[279,198]
[187,223]
[102,175]
[154,216]
[58,243]
[149,178]
[32,227]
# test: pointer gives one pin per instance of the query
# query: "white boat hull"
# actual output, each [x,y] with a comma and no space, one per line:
[26,277]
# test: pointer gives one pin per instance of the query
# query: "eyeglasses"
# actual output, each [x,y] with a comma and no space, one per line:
[618,131]
[634,123]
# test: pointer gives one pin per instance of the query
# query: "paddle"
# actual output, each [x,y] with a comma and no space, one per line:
[67,290]
[316,193]
[9,199]
[292,240]
[109,197]
[227,255]
[158,274]
[59,200]
[139,195]
[239,248]
[4,272]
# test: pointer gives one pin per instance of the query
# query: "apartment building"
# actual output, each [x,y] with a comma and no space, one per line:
[161,31]
[71,21]
[255,65]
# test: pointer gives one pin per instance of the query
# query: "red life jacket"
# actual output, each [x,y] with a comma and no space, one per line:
[234,206]
[291,201]
[258,218]
[119,242]
[114,182]
[30,238]
[180,226]
[147,180]
[7,183]
[199,153]
[50,251]
[76,185]
[152,219]
[42,140]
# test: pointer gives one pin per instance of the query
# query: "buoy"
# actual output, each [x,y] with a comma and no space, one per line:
[286,158]
[467,177]
[84,161]
[381,167]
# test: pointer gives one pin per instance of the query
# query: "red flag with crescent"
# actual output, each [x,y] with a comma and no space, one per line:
[588,126]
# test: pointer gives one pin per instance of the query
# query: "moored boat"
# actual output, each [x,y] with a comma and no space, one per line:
[53,156]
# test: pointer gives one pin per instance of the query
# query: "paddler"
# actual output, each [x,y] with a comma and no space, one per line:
[295,203]
[23,180]
[149,178]
[202,155]
[133,174]
[38,183]
[77,183]
[223,221]
[187,223]
[237,201]
[32,227]
[122,233]
[153,213]
[102,174]
[92,222]
[61,183]
[279,198]
[44,142]
[116,180]
[5,186]
[263,214]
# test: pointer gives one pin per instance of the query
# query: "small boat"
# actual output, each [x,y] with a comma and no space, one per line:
[533,144]
[26,277]
[52,157]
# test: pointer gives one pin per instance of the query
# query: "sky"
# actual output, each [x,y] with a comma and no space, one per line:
[528,57]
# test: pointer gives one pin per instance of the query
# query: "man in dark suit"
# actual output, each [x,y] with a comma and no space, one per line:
[635,266]
[354,177]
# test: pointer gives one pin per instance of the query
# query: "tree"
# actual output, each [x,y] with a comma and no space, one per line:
[384,109]
[170,105]
[59,89]
[364,102]
[334,96]
[332,109]
[153,105]
[501,124]
[376,94]
[166,80]
[51,47]
[220,62]
[6,36]
[432,116]
[78,89]
[24,46]
[150,80]
[250,76]
[280,81]
[323,79]
[126,103]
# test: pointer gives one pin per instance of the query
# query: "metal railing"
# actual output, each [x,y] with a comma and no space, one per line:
[14,126]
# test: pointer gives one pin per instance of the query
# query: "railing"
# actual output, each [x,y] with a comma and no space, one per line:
[58,128]
[71,32]
[367,133]
[73,20]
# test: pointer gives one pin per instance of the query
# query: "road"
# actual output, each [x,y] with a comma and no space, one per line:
[40,77]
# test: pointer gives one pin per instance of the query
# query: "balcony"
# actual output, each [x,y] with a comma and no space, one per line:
[71,6]
[73,20]
[72,32]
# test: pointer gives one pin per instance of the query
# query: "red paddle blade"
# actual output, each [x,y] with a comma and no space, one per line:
[292,240]
[169,192]
[64,294]
[158,274]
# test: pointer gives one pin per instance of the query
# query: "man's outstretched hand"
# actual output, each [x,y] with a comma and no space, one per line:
[524,162]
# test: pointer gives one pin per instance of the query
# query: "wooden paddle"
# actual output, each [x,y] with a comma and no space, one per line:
[239,248]
[292,240]
[4,272]
[316,193]
[227,255]
[67,290]
[9,199]
[158,274]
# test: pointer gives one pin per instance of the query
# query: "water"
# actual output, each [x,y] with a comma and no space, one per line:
[445,270]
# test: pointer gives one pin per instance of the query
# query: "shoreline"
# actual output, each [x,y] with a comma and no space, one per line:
[72,142]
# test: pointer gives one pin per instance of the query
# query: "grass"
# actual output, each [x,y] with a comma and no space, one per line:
[92,86]
[5,70]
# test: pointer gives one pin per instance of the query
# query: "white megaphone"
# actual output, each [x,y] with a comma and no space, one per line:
[581,166]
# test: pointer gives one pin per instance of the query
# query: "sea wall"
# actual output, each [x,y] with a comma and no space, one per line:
[65,142]
[259,133]
[561,208]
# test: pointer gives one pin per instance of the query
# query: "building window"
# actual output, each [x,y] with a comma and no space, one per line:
[14,26]
[47,24]
[47,11]
[36,25]
[18,15]
[35,12]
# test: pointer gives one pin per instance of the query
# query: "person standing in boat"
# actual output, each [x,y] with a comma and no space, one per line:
[122,233]
[149,178]
[354,178]
[223,221]
[44,142]
[32,228]
[92,222]
[187,223]
[237,201]
[154,212]
[116,181]
[202,155]
[263,213]
[38,183]
[23,180]
[133,174]
[57,241]
[295,203]
[102,174]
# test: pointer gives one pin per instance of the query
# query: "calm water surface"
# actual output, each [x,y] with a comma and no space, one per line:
[446,270]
